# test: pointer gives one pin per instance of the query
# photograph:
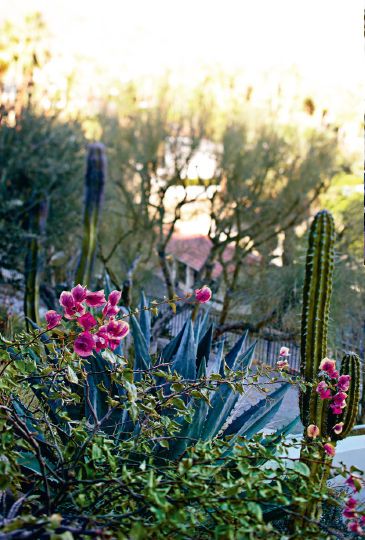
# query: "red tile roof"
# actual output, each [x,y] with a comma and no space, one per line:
[194,249]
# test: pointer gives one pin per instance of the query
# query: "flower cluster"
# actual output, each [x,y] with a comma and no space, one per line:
[349,512]
[342,383]
[109,331]
[284,352]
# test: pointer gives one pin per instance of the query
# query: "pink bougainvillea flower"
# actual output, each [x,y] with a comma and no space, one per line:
[282,364]
[362,519]
[79,293]
[114,298]
[327,364]
[95,299]
[343,383]
[84,344]
[336,409]
[117,329]
[339,399]
[67,300]
[87,321]
[101,341]
[338,427]
[114,342]
[76,311]
[354,527]
[355,482]
[203,295]
[53,319]
[284,351]
[109,310]
[329,449]
[312,431]
[333,373]
[323,390]
[349,512]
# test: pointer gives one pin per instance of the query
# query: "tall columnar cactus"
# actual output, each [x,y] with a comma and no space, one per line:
[317,291]
[33,261]
[329,405]
[94,190]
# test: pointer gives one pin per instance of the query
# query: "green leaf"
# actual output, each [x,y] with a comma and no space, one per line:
[301,468]
[178,403]
[164,443]
[71,375]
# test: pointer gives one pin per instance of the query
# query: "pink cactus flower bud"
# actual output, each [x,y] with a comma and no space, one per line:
[109,310]
[203,295]
[355,481]
[284,351]
[338,428]
[84,344]
[312,431]
[282,364]
[95,299]
[343,383]
[67,300]
[114,297]
[329,449]
[117,329]
[87,321]
[354,527]
[53,319]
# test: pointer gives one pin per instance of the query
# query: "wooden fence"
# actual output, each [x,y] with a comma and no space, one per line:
[267,352]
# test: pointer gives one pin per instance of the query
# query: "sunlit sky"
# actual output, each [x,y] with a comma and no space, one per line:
[322,37]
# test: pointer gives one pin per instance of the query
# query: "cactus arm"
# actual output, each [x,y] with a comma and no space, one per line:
[351,365]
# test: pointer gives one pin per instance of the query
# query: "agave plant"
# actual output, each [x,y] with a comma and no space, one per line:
[187,357]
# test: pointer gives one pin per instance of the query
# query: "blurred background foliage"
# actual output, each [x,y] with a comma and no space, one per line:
[267,171]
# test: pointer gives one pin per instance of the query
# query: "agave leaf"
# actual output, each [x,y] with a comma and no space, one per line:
[145,320]
[197,329]
[204,347]
[97,374]
[224,400]
[142,359]
[215,361]
[235,351]
[204,323]
[170,349]
[253,419]
[189,430]
[29,420]
[30,462]
[184,358]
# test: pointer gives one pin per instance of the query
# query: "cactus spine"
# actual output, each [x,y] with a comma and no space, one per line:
[33,261]
[317,291]
[94,190]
